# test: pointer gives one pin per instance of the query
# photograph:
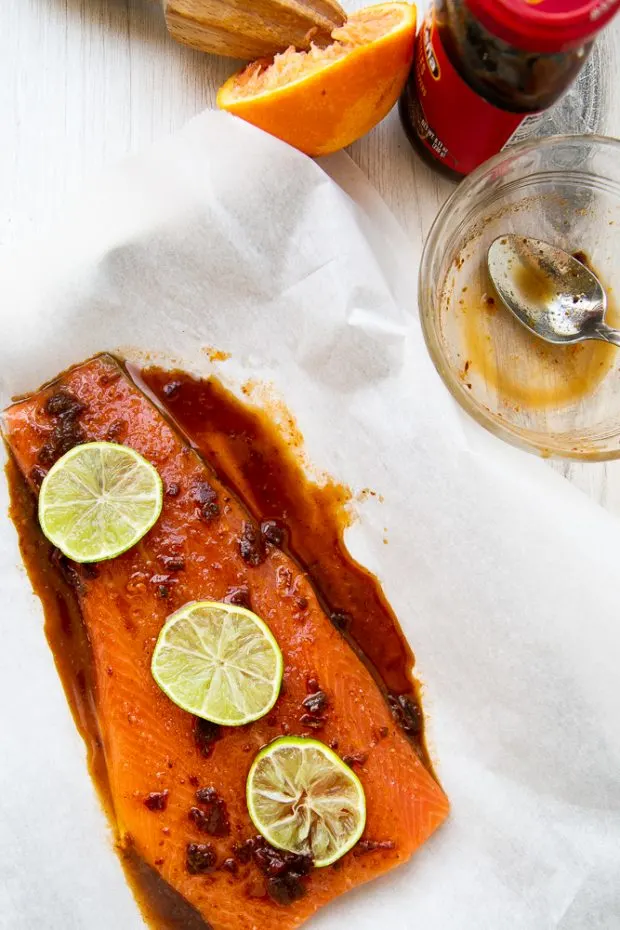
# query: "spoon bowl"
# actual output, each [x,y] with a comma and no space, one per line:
[552,293]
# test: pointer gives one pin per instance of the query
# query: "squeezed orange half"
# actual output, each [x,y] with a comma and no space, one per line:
[325,98]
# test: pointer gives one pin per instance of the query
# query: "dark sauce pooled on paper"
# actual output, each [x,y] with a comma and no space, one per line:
[256,461]
[250,455]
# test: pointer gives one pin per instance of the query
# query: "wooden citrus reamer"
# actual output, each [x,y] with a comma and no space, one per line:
[251,28]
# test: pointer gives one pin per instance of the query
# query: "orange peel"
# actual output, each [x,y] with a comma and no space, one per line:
[321,100]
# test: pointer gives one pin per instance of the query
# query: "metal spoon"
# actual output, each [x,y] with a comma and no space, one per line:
[552,293]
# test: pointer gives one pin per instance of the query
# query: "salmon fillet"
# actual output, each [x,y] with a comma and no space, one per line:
[205,547]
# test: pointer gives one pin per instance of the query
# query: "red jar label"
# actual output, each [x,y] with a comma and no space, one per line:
[457,126]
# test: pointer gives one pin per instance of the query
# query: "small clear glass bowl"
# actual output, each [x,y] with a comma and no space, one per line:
[552,400]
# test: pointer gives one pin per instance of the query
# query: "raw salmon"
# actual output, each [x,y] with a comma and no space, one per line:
[178,786]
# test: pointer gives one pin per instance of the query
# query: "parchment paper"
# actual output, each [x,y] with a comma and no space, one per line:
[504,577]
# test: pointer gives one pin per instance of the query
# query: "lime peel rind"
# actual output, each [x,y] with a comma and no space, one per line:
[350,804]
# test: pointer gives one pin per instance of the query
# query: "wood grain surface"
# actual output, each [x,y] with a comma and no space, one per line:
[251,30]
[85,82]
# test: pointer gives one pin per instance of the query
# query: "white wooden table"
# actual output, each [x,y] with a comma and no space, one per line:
[84,82]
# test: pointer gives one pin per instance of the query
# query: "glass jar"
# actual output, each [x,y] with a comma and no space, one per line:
[486,70]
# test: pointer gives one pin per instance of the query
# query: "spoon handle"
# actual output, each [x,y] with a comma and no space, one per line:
[608,334]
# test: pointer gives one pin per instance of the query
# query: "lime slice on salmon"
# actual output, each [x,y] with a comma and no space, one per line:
[304,799]
[99,500]
[219,662]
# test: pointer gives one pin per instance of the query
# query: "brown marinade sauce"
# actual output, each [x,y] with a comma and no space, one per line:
[253,459]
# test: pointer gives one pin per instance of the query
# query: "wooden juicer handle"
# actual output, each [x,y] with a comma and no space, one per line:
[252,29]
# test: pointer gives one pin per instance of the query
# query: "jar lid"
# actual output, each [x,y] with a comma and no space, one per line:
[544,25]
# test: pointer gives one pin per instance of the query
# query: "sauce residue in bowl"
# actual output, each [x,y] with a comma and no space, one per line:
[521,368]
[533,285]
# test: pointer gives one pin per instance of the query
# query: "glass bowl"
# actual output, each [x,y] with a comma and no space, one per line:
[553,400]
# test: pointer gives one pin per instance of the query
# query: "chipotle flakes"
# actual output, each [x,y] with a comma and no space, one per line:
[172,563]
[272,533]
[285,890]
[162,579]
[275,862]
[251,547]
[341,619]
[67,431]
[171,389]
[283,871]
[206,498]
[239,596]
[214,818]
[312,722]
[243,851]
[206,734]
[157,800]
[199,819]
[355,758]
[37,475]
[200,858]
[414,719]
[316,702]
[407,713]
[64,404]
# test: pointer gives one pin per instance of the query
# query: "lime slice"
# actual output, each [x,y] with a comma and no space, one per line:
[219,662]
[99,500]
[303,798]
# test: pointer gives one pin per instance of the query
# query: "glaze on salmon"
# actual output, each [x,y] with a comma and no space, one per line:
[177,785]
